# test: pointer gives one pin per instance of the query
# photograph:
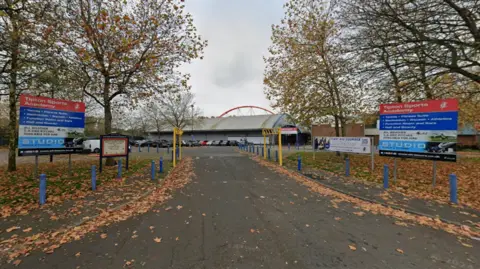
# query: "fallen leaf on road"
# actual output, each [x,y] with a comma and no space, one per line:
[306,225]
[176,239]
[78,254]
[157,239]
[53,217]
[128,263]
[262,197]
[352,247]
[338,218]
[134,236]
[50,249]
[151,227]
[467,245]
[401,223]
[252,231]
[359,213]
[103,236]
[399,250]
[13,228]
[17,262]
[179,207]
[292,203]
[203,214]
[168,208]
[27,230]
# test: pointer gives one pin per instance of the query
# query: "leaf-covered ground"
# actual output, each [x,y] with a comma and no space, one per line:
[414,177]
[19,191]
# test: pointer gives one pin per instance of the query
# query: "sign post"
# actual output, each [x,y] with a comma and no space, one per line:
[421,130]
[113,145]
[179,132]
[49,126]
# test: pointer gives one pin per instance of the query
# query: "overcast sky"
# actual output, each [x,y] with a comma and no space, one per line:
[238,33]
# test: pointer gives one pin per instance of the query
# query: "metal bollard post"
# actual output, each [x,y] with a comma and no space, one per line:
[43,189]
[168,149]
[139,148]
[263,153]
[148,148]
[160,165]
[153,170]
[453,188]
[94,178]
[258,151]
[347,167]
[276,156]
[299,163]
[178,152]
[119,172]
[385,176]
[288,146]
[268,153]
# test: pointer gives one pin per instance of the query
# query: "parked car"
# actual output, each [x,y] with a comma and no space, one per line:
[211,143]
[219,143]
[204,142]
[223,143]
[92,145]
[234,143]
[148,143]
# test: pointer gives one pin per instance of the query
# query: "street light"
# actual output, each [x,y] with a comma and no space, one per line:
[192,121]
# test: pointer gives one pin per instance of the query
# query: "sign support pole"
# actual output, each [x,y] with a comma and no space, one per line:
[434,173]
[174,147]
[394,170]
[280,146]
[36,166]
[69,165]
[373,154]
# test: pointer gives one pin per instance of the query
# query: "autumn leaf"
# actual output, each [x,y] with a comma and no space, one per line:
[401,223]
[466,245]
[157,239]
[12,229]
[27,230]
[399,250]
[77,254]
[360,213]
[16,262]
[203,214]
[179,207]
[134,236]
[168,208]
[252,231]
[337,218]
[307,225]
[103,236]
[176,239]
[352,247]
[151,227]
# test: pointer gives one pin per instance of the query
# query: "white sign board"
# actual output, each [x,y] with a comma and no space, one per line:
[344,144]
[291,130]
[114,147]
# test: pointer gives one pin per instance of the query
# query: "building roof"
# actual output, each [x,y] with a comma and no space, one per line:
[236,123]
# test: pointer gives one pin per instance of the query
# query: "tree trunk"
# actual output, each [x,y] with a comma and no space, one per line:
[12,98]
[108,114]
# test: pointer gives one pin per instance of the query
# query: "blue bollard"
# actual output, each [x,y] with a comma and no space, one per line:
[160,165]
[148,148]
[178,152]
[453,188]
[268,153]
[168,149]
[299,163]
[43,189]
[139,148]
[347,167]
[276,156]
[119,172]
[288,146]
[94,178]
[385,176]
[153,170]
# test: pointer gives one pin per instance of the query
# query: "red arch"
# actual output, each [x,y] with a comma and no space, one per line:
[240,107]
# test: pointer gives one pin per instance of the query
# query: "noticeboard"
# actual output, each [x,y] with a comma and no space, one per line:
[113,145]
[49,126]
[420,130]
[361,145]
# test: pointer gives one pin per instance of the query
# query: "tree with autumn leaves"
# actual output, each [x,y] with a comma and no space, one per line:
[339,59]
[114,52]
[307,73]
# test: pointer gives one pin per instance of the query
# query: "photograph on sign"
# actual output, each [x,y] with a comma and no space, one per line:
[421,130]
[360,145]
[48,125]
[114,146]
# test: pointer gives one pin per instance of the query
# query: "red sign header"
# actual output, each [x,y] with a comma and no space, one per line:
[420,107]
[51,103]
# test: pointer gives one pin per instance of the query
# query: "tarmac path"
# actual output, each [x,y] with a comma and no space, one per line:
[238,214]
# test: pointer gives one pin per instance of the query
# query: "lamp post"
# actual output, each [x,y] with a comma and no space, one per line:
[191,134]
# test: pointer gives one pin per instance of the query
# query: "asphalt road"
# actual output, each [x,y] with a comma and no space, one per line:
[238,214]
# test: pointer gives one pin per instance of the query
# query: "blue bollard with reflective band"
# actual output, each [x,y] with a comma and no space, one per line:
[43,189]
[268,153]
[385,176]
[160,165]
[119,172]
[153,170]
[453,188]
[347,167]
[94,178]
[276,156]
[299,163]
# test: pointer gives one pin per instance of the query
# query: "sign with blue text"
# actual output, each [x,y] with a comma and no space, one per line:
[50,126]
[360,145]
[420,130]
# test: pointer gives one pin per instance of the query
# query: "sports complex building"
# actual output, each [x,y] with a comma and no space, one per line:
[234,127]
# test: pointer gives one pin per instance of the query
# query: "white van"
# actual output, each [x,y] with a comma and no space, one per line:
[92,144]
